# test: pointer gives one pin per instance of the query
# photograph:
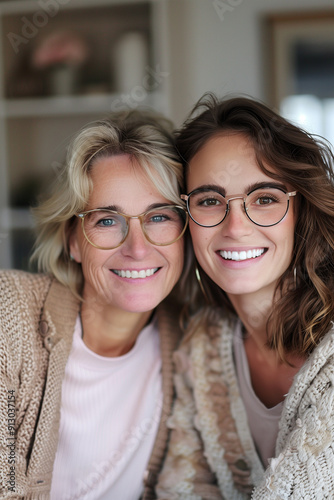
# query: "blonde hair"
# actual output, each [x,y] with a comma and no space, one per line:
[146,137]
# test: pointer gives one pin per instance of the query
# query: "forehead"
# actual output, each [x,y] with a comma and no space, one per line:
[224,160]
[224,148]
[115,166]
[121,180]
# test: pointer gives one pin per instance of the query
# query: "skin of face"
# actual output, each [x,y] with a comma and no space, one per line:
[228,162]
[119,181]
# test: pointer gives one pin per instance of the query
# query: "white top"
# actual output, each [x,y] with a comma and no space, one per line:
[263,422]
[110,412]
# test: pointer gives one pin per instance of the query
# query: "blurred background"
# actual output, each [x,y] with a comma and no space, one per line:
[64,63]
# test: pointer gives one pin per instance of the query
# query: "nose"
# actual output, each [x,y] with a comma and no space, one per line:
[135,244]
[236,223]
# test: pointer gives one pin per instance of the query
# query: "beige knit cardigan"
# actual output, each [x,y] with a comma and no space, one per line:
[37,318]
[211,453]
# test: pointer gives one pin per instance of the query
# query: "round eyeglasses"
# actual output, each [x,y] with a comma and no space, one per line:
[106,229]
[265,206]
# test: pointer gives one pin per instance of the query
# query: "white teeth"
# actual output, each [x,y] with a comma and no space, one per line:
[243,255]
[143,273]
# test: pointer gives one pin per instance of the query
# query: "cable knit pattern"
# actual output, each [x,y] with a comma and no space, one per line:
[36,329]
[23,369]
[211,453]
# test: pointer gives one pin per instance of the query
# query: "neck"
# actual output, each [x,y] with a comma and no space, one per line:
[254,310]
[271,378]
[109,331]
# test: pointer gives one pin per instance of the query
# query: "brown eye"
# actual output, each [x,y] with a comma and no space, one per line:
[210,202]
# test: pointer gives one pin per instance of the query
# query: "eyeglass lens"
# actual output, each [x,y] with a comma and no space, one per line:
[264,206]
[161,226]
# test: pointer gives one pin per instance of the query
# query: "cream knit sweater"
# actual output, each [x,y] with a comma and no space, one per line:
[212,454]
[37,318]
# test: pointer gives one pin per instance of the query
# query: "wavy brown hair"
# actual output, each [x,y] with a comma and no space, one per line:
[304,307]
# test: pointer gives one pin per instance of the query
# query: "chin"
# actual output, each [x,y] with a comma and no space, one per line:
[238,288]
[139,306]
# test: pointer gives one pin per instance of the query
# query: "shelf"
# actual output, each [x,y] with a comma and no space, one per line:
[75,105]
[30,5]
[41,109]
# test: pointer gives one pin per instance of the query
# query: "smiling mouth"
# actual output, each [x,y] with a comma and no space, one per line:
[243,255]
[143,273]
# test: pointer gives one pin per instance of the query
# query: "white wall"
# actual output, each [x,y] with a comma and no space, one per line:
[222,51]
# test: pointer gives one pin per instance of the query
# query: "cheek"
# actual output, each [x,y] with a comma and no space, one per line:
[89,264]
[290,244]
[201,240]
[195,233]
[284,238]
[179,256]
[92,260]
[175,257]
[201,236]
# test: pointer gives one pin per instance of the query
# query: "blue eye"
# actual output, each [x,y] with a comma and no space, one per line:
[106,222]
[158,218]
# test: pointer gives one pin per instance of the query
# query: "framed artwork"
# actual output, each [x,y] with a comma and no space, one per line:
[301,69]
[302,55]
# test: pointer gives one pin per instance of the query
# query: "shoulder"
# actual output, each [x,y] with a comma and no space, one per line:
[13,280]
[315,376]
[311,394]
[206,349]
[305,455]
[210,326]
[319,369]
[24,296]
[321,360]
[326,346]
[20,289]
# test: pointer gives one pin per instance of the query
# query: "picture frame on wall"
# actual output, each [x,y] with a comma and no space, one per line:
[301,69]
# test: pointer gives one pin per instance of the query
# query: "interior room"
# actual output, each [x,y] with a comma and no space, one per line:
[65,63]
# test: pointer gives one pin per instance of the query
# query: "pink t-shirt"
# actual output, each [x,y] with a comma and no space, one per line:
[110,412]
[263,422]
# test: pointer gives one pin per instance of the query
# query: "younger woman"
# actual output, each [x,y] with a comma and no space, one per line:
[254,415]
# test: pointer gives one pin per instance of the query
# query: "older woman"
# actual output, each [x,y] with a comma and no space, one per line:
[86,348]
[254,415]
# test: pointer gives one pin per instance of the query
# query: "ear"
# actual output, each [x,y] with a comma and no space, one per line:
[75,250]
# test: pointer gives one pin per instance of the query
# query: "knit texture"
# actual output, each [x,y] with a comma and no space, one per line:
[38,315]
[212,454]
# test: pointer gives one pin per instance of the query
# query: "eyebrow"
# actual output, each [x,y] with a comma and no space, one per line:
[248,189]
[117,208]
